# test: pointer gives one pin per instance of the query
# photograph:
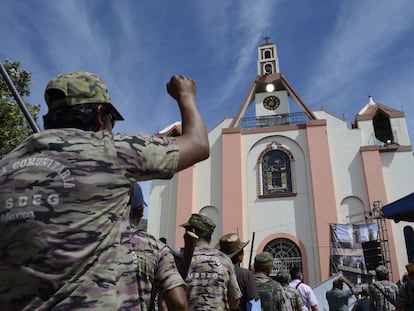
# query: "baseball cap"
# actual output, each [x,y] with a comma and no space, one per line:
[137,197]
[230,244]
[381,270]
[200,222]
[283,276]
[264,260]
[77,88]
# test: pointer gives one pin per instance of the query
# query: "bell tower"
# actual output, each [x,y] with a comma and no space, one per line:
[267,61]
[274,101]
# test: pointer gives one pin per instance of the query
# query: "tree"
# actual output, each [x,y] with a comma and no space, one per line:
[14,127]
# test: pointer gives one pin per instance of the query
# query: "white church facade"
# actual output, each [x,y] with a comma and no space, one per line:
[279,174]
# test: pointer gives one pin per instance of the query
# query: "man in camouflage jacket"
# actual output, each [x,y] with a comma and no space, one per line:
[270,291]
[156,271]
[211,280]
[291,297]
[383,292]
[64,196]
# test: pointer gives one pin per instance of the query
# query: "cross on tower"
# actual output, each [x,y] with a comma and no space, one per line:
[267,38]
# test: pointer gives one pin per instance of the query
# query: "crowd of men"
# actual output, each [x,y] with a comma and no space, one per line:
[70,206]
[216,280]
[380,295]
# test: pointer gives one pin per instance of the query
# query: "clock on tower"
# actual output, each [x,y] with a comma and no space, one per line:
[271,102]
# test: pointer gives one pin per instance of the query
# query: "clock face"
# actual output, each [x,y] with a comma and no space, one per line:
[271,102]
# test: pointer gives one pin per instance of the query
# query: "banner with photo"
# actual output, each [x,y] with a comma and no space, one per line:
[347,254]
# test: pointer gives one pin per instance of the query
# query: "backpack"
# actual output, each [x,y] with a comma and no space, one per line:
[287,300]
[267,292]
[388,294]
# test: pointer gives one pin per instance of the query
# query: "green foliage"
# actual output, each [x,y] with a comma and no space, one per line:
[14,127]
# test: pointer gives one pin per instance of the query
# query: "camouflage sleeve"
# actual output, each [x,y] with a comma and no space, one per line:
[166,273]
[278,295]
[147,157]
[298,301]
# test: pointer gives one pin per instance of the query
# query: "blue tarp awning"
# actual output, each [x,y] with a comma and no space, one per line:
[402,209]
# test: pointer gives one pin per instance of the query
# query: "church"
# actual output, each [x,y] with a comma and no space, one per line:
[282,175]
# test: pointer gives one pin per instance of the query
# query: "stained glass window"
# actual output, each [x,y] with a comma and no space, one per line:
[276,173]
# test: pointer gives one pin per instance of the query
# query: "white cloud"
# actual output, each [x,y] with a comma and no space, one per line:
[364,33]
[250,24]
[137,46]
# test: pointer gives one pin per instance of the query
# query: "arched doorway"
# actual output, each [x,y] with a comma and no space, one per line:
[286,254]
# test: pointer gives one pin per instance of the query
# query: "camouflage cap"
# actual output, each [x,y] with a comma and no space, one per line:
[200,222]
[283,276]
[79,87]
[264,260]
[381,270]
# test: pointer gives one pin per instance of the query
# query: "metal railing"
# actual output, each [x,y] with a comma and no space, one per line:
[286,264]
[279,119]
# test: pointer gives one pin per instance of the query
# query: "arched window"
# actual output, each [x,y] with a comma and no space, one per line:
[268,68]
[275,168]
[267,54]
[382,128]
[286,254]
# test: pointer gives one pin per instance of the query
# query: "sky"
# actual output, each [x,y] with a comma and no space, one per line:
[334,53]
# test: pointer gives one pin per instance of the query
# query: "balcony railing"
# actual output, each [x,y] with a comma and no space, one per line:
[279,119]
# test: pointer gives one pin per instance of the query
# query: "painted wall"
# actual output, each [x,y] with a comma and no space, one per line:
[398,171]
[335,179]
[288,215]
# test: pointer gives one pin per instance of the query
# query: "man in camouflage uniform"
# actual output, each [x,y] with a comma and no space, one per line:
[64,197]
[291,297]
[270,291]
[156,272]
[383,292]
[211,280]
